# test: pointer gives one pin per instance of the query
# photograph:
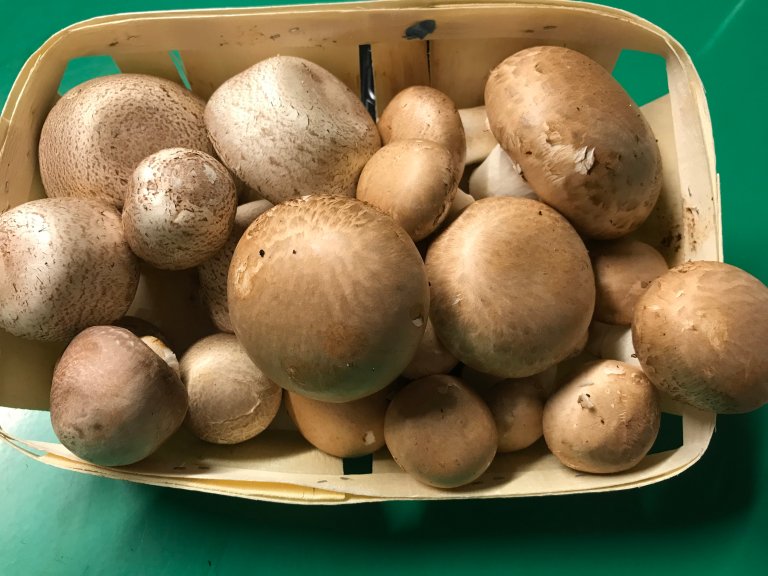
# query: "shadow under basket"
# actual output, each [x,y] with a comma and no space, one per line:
[449,45]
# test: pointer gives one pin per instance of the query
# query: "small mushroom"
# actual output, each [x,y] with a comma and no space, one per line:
[328,296]
[98,132]
[604,419]
[512,289]
[412,182]
[701,335]
[179,209]
[431,357]
[230,399]
[517,407]
[623,270]
[64,266]
[480,139]
[499,175]
[113,400]
[213,272]
[287,127]
[424,113]
[345,429]
[440,432]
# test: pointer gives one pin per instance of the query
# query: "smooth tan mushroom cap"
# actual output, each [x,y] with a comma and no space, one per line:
[440,432]
[328,296]
[512,289]
[113,400]
[623,271]
[412,182]
[700,332]
[582,143]
[64,266]
[424,113]
[98,132]
[179,209]
[230,399]
[431,357]
[517,407]
[347,429]
[213,272]
[604,420]
[287,127]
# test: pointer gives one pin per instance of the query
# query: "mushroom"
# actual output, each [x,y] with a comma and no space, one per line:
[230,399]
[328,296]
[346,429]
[100,130]
[161,349]
[213,272]
[424,113]
[701,335]
[623,270]
[287,127]
[604,419]
[517,407]
[431,357]
[512,290]
[64,265]
[179,209]
[440,432]
[113,400]
[411,181]
[582,143]
[499,175]
[477,131]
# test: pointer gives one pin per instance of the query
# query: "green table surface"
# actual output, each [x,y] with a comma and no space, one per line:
[712,519]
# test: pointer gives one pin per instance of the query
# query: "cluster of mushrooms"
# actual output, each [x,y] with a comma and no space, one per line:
[382,304]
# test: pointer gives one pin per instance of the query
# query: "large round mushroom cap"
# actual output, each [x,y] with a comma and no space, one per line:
[64,266]
[328,296]
[700,332]
[512,287]
[113,400]
[98,132]
[582,143]
[287,127]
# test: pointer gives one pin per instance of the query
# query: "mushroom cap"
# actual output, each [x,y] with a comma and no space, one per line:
[179,209]
[346,429]
[213,272]
[424,113]
[230,399]
[517,407]
[287,127]
[582,143]
[604,419]
[412,182]
[328,296]
[623,271]
[700,332]
[113,400]
[100,130]
[430,358]
[512,290]
[440,432]
[64,265]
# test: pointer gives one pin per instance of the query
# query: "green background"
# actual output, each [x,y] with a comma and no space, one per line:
[713,519]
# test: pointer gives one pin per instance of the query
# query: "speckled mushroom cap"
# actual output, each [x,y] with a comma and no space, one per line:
[701,335]
[64,265]
[113,400]
[328,296]
[512,289]
[213,272]
[100,130]
[179,209]
[287,127]
[582,143]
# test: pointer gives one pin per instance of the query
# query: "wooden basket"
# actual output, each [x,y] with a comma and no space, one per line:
[449,45]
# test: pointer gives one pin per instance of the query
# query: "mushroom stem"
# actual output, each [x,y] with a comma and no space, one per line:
[499,175]
[480,139]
